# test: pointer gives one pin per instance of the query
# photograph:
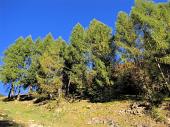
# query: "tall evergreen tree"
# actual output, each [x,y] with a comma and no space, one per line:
[17,60]
[142,38]
[98,39]
[126,38]
[75,62]
[51,65]
[154,23]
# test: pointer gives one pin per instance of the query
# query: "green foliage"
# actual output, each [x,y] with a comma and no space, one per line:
[98,39]
[125,38]
[51,65]
[157,115]
[76,61]
[87,65]
[17,62]
[143,38]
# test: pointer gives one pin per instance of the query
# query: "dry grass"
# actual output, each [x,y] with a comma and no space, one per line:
[75,114]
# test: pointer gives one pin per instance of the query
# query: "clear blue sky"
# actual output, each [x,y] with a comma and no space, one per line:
[39,17]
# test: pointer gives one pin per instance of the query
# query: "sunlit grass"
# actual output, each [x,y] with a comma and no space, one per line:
[75,114]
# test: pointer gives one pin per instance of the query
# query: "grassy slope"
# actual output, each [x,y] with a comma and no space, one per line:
[73,114]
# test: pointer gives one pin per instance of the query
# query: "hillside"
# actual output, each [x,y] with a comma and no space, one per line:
[79,114]
[100,76]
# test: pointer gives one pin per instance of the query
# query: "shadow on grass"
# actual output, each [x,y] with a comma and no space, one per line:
[6,122]
[22,98]
[104,99]
[116,98]
[9,123]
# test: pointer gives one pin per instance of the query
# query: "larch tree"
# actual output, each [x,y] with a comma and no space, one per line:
[75,62]
[16,64]
[154,23]
[143,38]
[51,65]
[98,40]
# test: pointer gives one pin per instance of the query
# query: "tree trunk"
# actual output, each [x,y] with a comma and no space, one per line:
[68,88]
[12,90]
[163,76]
[59,93]
[30,90]
[18,96]
[9,94]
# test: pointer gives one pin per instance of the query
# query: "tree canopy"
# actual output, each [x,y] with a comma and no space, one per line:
[95,63]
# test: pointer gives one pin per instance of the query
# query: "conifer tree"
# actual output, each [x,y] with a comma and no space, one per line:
[17,61]
[142,37]
[75,61]
[51,65]
[154,20]
[98,39]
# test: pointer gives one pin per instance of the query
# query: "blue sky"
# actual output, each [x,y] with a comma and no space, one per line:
[39,17]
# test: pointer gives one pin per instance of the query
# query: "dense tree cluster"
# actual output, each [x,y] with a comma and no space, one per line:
[95,63]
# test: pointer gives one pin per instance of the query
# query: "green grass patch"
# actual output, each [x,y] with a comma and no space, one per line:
[75,114]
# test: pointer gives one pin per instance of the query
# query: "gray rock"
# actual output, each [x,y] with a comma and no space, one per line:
[106,121]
